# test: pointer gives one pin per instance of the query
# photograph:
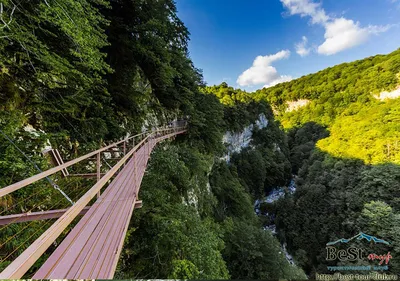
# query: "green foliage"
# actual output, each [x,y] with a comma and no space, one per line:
[240,110]
[251,168]
[232,198]
[334,89]
[206,124]
[273,146]
[154,45]
[228,96]
[376,215]
[344,95]
[53,65]
[344,151]
[169,239]
[255,254]
[302,142]
[184,269]
[373,136]
[335,199]
[250,252]
[266,164]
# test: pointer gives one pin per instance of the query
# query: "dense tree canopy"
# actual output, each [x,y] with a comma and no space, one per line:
[332,90]
[343,148]
[345,155]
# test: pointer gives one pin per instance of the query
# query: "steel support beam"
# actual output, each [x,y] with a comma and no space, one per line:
[45,215]
[34,216]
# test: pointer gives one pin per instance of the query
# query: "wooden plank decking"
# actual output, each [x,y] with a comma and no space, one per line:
[93,247]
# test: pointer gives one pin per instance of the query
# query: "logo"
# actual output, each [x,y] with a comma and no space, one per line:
[359,236]
[341,251]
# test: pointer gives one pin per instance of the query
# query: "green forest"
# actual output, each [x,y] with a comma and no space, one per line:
[78,74]
[342,149]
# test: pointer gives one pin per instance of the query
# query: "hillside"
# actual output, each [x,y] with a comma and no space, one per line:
[347,99]
[333,90]
[343,146]
[344,150]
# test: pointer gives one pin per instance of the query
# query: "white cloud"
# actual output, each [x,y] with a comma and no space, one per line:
[373,29]
[262,72]
[340,33]
[301,47]
[306,8]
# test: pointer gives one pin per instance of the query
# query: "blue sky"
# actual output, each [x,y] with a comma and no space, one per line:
[291,38]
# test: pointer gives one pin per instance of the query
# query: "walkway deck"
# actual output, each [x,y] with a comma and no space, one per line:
[93,247]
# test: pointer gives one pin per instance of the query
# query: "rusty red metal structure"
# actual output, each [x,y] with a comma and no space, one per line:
[92,249]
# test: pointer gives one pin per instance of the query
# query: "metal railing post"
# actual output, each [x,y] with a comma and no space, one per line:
[134,166]
[148,147]
[98,165]
[124,149]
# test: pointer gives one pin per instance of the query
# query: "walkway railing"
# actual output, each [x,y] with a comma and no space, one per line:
[127,147]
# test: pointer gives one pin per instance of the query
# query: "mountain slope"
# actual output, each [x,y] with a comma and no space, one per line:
[345,152]
[334,90]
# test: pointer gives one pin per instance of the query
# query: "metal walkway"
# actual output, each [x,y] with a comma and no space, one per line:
[92,249]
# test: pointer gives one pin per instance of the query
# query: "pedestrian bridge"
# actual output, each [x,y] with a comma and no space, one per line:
[92,248]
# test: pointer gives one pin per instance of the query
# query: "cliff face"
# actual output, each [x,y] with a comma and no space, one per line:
[236,141]
[388,95]
[295,105]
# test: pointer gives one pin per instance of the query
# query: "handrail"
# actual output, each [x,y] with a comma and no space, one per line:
[18,185]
